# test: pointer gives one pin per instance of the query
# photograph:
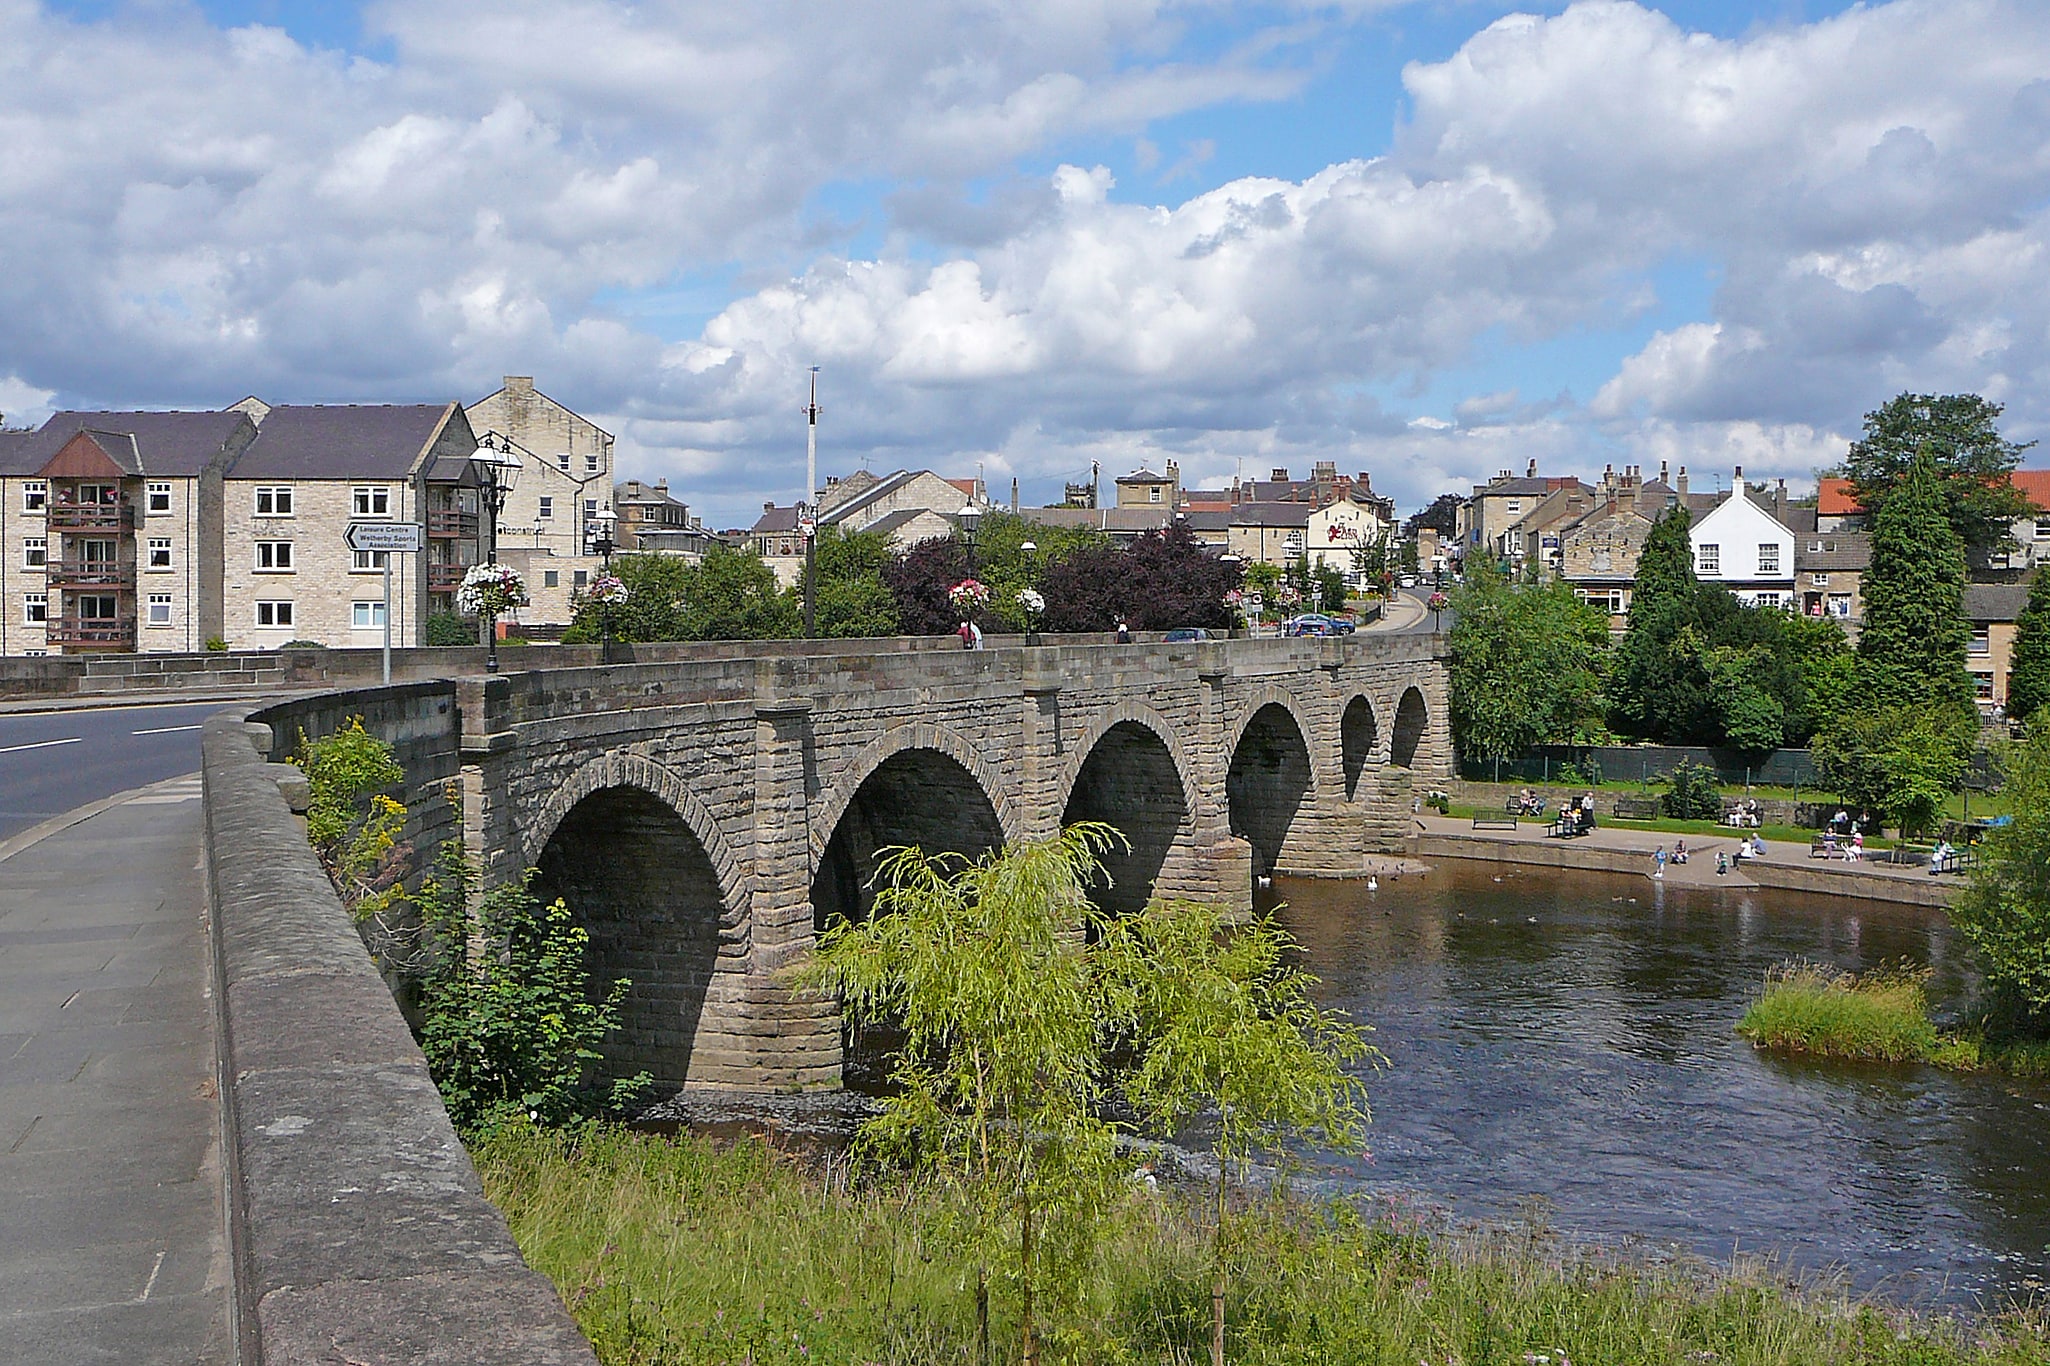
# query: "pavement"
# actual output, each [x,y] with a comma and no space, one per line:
[110,1183]
[1698,871]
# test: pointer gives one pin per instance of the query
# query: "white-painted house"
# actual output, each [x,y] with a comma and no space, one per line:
[1747,550]
[1343,525]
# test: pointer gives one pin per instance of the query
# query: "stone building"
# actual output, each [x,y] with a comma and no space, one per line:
[1746,549]
[288,500]
[110,531]
[564,483]
[864,502]
[1144,488]
[653,522]
[1993,610]
[1350,521]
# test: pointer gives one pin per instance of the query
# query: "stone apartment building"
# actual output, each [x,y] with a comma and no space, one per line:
[1145,488]
[110,531]
[652,521]
[565,481]
[909,505]
[288,500]
[1485,518]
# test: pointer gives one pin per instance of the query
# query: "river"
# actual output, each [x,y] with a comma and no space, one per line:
[1569,1039]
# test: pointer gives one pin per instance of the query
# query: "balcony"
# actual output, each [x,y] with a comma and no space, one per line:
[91,574]
[445,578]
[451,523]
[92,516]
[104,633]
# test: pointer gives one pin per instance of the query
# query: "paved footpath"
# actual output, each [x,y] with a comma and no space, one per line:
[111,1233]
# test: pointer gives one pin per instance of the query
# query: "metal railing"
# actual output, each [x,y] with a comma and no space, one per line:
[115,631]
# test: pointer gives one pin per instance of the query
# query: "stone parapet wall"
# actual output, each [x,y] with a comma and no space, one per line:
[358,1229]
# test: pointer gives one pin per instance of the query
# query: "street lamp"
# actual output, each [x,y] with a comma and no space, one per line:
[499,468]
[971,516]
[598,541]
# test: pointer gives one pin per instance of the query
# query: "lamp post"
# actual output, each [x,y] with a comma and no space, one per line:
[1026,550]
[499,469]
[598,541]
[971,517]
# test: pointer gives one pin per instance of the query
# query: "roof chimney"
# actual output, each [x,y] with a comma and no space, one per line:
[769,506]
[1681,487]
[1280,476]
[1014,490]
[662,487]
[1531,471]
[1779,501]
[1662,471]
[519,384]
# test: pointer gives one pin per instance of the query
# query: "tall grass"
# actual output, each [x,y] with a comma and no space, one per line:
[1881,1015]
[676,1251]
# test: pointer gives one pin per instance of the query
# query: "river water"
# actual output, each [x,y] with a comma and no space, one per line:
[1569,1040]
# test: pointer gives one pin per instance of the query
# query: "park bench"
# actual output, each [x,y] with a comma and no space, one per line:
[1560,830]
[1637,808]
[1822,848]
[1957,861]
[1494,822]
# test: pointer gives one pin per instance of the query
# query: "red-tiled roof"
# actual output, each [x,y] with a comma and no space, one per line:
[1835,499]
[2035,484]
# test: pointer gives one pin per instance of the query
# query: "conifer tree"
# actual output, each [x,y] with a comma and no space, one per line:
[1911,650]
[1655,689]
[2028,670]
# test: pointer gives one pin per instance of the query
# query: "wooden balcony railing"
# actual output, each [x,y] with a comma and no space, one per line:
[451,522]
[107,632]
[92,516]
[91,574]
[445,578]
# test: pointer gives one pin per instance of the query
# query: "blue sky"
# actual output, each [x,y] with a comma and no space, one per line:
[1405,236]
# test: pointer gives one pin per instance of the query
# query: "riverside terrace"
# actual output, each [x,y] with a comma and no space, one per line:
[705,817]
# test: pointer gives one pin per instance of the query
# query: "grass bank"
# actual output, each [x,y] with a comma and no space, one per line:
[1881,1015]
[677,1251]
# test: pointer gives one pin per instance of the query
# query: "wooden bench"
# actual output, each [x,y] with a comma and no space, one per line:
[1637,808]
[1559,830]
[1822,848]
[1494,822]
[1956,861]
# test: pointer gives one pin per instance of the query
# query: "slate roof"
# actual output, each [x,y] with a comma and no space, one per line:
[1849,551]
[1142,475]
[342,440]
[1991,602]
[165,443]
[1272,514]
[774,520]
[1122,521]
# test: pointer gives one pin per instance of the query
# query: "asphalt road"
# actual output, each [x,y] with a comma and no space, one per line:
[53,761]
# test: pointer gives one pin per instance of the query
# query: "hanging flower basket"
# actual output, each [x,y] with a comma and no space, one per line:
[969,596]
[489,589]
[1030,602]
[1437,602]
[609,589]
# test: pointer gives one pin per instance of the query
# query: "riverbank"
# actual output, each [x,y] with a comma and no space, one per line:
[1619,849]
[680,1251]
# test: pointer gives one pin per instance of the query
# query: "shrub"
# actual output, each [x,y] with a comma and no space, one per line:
[1694,795]
[302,645]
[446,628]
[215,645]
[1879,1015]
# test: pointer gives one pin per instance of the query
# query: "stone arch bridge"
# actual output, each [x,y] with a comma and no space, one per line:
[706,817]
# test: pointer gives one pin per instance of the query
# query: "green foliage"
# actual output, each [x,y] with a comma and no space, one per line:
[853,601]
[1911,649]
[1331,589]
[1653,689]
[1901,761]
[356,829]
[2005,911]
[447,628]
[2028,669]
[1968,458]
[731,595]
[1693,794]
[1881,1015]
[680,1252]
[511,1027]
[216,645]
[1527,666]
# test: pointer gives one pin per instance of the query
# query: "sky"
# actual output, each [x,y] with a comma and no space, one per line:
[1426,239]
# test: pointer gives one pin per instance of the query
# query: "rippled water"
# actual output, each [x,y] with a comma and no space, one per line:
[1570,1039]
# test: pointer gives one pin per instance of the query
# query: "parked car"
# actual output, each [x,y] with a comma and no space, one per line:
[1181,635]
[1310,624]
[1408,581]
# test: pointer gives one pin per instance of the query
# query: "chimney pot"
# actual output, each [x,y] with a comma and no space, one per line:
[1681,487]
[1531,471]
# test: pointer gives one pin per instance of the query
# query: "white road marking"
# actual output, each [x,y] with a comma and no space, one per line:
[42,744]
[163,730]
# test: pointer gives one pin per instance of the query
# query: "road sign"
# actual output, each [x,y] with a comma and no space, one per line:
[403,537]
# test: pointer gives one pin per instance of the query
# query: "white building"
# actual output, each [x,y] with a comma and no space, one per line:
[1741,546]
[1348,522]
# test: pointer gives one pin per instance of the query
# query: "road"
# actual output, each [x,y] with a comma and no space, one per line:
[53,761]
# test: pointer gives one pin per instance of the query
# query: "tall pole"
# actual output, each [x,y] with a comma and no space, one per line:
[386,557]
[811,492]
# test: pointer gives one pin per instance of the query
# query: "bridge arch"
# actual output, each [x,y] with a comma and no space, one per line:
[1131,771]
[1412,721]
[1271,776]
[1358,731]
[643,866]
[920,784]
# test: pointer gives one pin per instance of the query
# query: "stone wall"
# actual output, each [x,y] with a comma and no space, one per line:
[358,1229]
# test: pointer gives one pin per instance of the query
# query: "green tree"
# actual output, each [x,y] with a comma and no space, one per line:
[2028,668]
[2005,910]
[853,600]
[1224,1022]
[1902,761]
[1527,665]
[1911,649]
[655,589]
[1656,689]
[732,595]
[998,1087]
[1971,461]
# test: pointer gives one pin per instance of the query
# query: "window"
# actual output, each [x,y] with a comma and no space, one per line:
[1766,599]
[1982,641]
[160,497]
[35,552]
[547,508]
[1153,494]
[2043,528]
[99,495]
[590,507]
[1840,605]
[1982,687]
[562,462]
[1818,580]
[590,464]
[551,578]
[582,577]
[371,502]
[366,615]
[160,609]
[366,561]
[273,614]
[96,607]
[1768,557]
[1814,547]
[160,552]
[274,500]
[274,557]
[1708,559]
[35,495]
[35,608]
